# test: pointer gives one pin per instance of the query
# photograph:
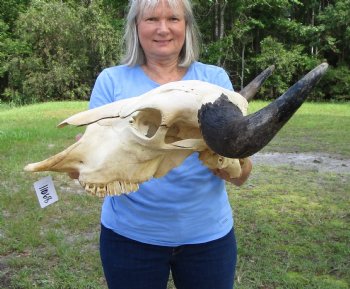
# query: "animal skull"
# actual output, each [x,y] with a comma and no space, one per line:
[132,140]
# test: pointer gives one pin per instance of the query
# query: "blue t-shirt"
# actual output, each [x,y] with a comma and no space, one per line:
[189,205]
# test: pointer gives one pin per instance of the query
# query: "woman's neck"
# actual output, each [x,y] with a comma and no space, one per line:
[164,72]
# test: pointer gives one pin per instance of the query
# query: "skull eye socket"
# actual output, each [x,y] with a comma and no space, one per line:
[147,122]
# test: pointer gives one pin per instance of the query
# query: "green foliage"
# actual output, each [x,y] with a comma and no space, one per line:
[289,63]
[9,10]
[285,33]
[52,49]
[335,22]
[4,45]
[64,50]
[336,84]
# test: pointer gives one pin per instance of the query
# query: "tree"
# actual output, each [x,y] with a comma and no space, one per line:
[335,36]
[54,49]
[290,63]
[10,9]
[65,48]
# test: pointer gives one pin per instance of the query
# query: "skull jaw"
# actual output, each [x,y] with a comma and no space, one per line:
[115,180]
[115,188]
[133,175]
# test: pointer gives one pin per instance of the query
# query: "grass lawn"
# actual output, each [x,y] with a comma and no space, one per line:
[292,225]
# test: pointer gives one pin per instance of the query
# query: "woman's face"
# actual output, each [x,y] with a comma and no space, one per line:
[161,32]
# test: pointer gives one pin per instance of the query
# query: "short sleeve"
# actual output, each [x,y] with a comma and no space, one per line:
[222,79]
[103,91]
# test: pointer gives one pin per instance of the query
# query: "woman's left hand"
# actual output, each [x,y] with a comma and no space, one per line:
[246,166]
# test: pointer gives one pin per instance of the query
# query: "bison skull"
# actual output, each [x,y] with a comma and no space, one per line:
[132,140]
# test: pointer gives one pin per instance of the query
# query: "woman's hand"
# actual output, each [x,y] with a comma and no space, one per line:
[246,166]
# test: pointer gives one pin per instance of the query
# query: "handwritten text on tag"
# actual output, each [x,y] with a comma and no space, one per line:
[45,191]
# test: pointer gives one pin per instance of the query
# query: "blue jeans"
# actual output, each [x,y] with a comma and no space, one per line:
[129,264]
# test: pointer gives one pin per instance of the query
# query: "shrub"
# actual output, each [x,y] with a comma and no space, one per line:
[335,85]
[64,48]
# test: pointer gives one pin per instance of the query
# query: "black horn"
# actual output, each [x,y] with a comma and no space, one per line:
[230,134]
[252,88]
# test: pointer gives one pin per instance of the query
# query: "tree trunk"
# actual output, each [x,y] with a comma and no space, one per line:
[242,66]
[216,20]
[219,19]
[222,18]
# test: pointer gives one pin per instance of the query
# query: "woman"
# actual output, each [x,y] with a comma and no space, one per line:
[181,222]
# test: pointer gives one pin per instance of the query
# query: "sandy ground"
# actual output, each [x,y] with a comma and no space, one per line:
[310,161]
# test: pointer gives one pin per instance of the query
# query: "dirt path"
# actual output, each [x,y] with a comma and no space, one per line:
[311,161]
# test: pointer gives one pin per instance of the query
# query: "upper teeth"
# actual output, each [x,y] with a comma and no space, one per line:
[112,189]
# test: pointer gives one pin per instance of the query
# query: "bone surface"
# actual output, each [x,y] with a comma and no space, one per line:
[133,140]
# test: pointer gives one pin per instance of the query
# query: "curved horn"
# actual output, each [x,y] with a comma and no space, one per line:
[230,134]
[252,88]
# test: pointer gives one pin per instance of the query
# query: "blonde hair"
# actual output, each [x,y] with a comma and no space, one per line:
[134,54]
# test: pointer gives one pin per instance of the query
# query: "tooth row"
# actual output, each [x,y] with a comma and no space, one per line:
[112,189]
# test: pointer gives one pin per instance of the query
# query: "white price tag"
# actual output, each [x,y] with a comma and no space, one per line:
[45,191]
